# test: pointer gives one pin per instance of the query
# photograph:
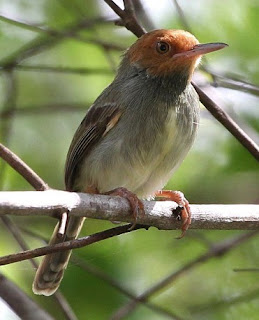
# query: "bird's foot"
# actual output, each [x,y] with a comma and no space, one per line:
[136,205]
[183,205]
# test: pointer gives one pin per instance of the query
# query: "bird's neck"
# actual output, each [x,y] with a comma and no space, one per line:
[169,86]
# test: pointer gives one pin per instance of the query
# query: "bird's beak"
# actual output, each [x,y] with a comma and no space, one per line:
[201,49]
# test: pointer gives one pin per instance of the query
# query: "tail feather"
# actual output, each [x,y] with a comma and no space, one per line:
[51,270]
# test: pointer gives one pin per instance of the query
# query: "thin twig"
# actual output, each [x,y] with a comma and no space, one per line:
[100,274]
[22,305]
[60,299]
[217,112]
[58,34]
[43,42]
[15,232]
[231,81]
[10,107]
[113,283]
[228,123]
[227,302]
[246,270]
[22,168]
[217,250]
[128,17]
[47,108]
[142,15]
[182,16]
[61,69]
[73,244]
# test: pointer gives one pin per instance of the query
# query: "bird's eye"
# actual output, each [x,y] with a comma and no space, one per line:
[162,47]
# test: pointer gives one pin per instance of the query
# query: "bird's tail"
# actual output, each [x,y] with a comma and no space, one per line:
[51,269]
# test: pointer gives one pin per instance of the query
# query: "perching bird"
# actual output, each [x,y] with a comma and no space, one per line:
[135,135]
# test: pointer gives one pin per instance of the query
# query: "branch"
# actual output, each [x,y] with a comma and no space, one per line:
[15,231]
[14,161]
[47,108]
[19,302]
[231,81]
[228,122]
[128,15]
[100,274]
[43,42]
[57,34]
[158,214]
[217,250]
[22,168]
[61,69]
[72,244]
[128,18]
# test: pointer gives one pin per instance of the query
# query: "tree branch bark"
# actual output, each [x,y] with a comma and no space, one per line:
[158,214]
[130,22]
[20,303]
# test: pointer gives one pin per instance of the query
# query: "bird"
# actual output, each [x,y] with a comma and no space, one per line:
[135,135]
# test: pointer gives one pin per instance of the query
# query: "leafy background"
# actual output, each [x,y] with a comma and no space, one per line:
[40,110]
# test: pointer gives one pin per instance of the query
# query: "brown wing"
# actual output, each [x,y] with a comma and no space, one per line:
[96,124]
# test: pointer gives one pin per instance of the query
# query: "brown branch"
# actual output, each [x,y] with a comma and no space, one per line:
[10,107]
[80,71]
[100,274]
[61,34]
[73,244]
[226,302]
[231,81]
[19,302]
[43,42]
[56,107]
[115,284]
[9,104]
[127,16]
[215,110]
[22,168]
[217,250]
[181,14]
[142,15]
[246,270]
[228,123]
[15,231]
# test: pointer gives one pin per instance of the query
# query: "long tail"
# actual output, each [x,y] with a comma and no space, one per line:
[53,266]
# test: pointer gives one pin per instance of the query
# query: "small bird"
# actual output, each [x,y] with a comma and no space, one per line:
[135,135]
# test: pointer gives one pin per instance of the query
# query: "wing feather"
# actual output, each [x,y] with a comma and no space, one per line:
[96,124]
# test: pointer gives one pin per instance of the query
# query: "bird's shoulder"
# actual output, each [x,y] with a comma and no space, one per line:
[98,121]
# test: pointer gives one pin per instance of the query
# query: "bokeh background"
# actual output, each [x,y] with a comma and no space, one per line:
[52,71]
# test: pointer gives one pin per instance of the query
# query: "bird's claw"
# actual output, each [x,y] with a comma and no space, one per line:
[182,212]
[136,204]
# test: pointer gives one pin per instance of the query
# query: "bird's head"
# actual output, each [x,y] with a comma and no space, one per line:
[164,52]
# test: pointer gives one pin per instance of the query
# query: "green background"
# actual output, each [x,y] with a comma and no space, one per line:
[47,108]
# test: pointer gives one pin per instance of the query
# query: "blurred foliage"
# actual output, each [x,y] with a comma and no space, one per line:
[217,170]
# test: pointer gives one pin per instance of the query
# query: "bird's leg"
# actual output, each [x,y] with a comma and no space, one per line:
[183,204]
[135,204]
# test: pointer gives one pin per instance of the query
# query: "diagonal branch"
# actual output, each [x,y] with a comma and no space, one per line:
[128,18]
[132,24]
[228,123]
[15,231]
[19,302]
[43,42]
[22,168]
[100,274]
[217,250]
[72,244]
